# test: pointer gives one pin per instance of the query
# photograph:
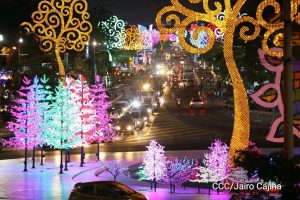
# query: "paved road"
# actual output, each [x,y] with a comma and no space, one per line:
[177,129]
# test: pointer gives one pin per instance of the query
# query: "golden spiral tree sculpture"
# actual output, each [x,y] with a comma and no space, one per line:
[60,25]
[179,18]
[134,38]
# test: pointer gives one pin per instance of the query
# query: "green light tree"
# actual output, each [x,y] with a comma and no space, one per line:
[61,130]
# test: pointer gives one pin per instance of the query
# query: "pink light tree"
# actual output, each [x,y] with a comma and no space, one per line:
[154,163]
[26,121]
[80,92]
[103,129]
[178,171]
[216,167]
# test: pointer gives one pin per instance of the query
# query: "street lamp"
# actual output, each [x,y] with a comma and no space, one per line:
[19,50]
[1,38]
[94,59]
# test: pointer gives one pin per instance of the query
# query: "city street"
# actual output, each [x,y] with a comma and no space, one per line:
[179,128]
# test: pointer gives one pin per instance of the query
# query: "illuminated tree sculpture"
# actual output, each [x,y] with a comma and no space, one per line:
[61,26]
[80,93]
[44,107]
[114,167]
[178,171]
[62,129]
[154,163]
[216,167]
[114,31]
[26,124]
[134,38]
[179,18]
[38,104]
[103,129]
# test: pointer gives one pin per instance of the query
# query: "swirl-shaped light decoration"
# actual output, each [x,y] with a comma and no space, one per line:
[61,25]
[134,38]
[181,18]
[114,30]
[276,100]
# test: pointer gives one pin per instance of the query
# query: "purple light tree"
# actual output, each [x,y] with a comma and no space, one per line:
[154,163]
[103,128]
[178,171]
[26,121]
[80,92]
[216,167]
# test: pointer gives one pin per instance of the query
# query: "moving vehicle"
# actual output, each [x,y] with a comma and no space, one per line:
[120,107]
[104,190]
[125,124]
[137,117]
[197,103]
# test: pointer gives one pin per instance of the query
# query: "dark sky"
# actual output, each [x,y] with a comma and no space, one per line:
[13,12]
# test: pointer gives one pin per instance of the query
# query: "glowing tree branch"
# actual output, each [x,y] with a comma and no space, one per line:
[228,25]
[26,123]
[61,25]
[103,128]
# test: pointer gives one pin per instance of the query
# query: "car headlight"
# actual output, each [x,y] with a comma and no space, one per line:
[129,128]
[118,128]
[145,118]
[149,110]
[138,122]
[155,104]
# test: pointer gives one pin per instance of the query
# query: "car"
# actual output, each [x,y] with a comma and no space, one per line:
[120,107]
[137,117]
[105,190]
[190,83]
[197,103]
[141,116]
[125,124]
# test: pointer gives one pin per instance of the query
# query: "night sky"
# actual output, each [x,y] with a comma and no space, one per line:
[13,12]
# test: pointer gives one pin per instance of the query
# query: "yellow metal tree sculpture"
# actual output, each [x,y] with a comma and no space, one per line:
[178,17]
[134,38]
[61,25]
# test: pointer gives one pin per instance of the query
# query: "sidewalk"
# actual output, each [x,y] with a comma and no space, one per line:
[44,182]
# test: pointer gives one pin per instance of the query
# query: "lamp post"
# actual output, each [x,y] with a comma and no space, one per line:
[19,50]
[94,59]
[1,40]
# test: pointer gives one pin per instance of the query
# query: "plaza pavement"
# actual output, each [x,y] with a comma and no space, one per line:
[44,182]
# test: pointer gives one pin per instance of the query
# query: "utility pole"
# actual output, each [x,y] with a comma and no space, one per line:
[288,82]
